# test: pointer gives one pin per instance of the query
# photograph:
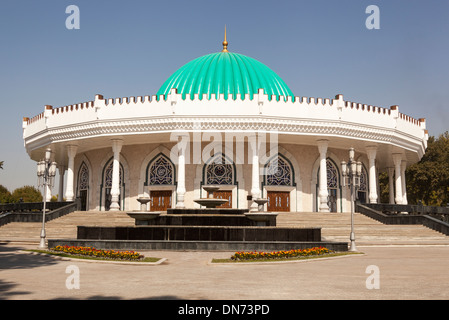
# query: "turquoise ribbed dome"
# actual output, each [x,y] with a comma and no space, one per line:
[225,73]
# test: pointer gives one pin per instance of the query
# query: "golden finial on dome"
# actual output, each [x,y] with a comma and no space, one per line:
[225,43]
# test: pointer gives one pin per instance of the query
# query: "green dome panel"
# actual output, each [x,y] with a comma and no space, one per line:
[225,73]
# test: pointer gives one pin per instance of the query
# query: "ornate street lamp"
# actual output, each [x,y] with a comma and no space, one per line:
[352,172]
[46,171]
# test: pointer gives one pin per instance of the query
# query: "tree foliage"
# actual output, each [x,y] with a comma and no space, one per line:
[428,180]
[5,195]
[27,194]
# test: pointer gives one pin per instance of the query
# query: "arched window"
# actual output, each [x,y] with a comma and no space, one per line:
[219,171]
[108,176]
[83,177]
[160,172]
[332,175]
[83,185]
[333,185]
[279,172]
[363,189]
[107,185]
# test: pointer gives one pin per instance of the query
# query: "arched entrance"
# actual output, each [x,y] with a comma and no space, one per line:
[160,180]
[362,191]
[83,186]
[106,186]
[334,200]
[220,171]
[279,182]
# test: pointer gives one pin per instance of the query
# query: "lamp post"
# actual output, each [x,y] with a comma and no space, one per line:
[46,171]
[352,172]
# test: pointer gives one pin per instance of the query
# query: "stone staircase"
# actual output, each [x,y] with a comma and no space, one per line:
[64,227]
[335,227]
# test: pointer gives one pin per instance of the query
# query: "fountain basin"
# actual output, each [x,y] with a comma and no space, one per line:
[210,202]
[262,218]
[260,203]
[144,215]
[143,202]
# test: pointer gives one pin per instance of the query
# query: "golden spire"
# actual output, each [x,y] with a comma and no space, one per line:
[225,43]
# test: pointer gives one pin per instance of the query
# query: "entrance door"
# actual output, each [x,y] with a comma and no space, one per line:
[160,200]
[361,196]
[83,197]
[107,201]
[332,200]
[224,195]
[278,201]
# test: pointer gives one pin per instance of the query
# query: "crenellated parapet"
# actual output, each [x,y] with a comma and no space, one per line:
[166,113]
[161,101]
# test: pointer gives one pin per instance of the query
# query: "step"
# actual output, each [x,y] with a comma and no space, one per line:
[337,227]
[334,227]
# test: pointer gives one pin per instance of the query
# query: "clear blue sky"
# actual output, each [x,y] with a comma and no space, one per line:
[129,48]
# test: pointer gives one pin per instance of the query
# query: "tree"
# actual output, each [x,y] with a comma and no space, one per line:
[1,164]
[27,194]
[5,195]
[428,180]
[384,195]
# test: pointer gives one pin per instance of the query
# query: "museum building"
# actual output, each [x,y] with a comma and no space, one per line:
[227,120]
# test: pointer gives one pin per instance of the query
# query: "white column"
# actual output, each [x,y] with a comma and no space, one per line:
[115,189]
[397,159]
[323,193]
[61,170]
[391,184]
[371,153]
[71,153]
[403,182]
[255,189]
[181,187]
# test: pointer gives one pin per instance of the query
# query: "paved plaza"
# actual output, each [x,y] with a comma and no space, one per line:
[403,272]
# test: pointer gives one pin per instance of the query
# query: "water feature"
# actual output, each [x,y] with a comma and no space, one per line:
[210,202]
[143,214]
[259,215]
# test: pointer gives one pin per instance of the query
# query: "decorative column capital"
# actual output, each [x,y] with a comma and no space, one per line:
[371,152]
[117,145]
[404,163]
[71,150]
[397,159]
[322,146]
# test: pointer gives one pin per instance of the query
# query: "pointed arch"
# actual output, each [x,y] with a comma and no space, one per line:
[145,187]
[124,178]
[84,162]
[334,184]
[160,171]
[278,171]
[236,188]
[287,179]
[83,182]
[363,190]
[219,170]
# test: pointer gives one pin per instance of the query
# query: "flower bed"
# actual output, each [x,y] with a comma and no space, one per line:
[89,251]
[280,254]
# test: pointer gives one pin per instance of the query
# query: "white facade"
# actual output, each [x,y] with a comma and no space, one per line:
[109,147]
